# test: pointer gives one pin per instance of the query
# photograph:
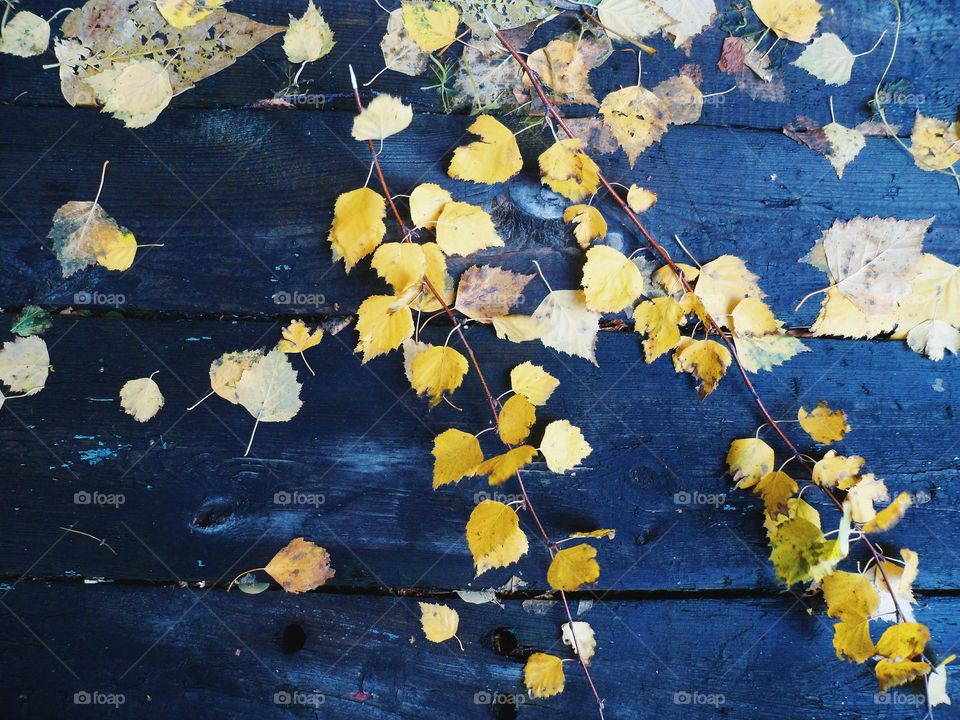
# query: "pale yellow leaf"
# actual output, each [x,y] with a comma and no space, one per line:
[25,364]
[463,229]
[579,636]
[794,20]
[25,35]
[439,622]
[640,200]
[828,59]
[141,398]
[934,144]
[358,226]
[383,117]
[533,382]
[567,324]
[308,38]
[723,283]
[426,203]
[563,446]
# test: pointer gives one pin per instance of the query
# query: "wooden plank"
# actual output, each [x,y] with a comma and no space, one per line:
[928,33]
[365,657]
[181,181]
[194,508]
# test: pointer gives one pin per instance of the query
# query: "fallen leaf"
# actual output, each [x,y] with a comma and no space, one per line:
[431,23]
[828,59]
[358,226]
[670,281]
[25,364]
[25,35]
[515,419]
[297,337]
[141,398]
[891,673]
[567,324]
[308,38]
[705,360]
[934,295]
[748,460]
[543,675]
[400,51]
[890,515]
[384,116]
[518,328]
[834,470]
[567,170]
[822,424]
[400,264]
[426,204]
[759,338]
[934,337]
[723,283]
[937,683]
[690,18]
[573,567]
[660,319]
[487,291]
[463,229]
[637,118]
[590,224]
[269,390]
[438,370]
[184,13]
[80,232]
[579,636]
[635,19]
[934,144]
[640,200]
[383,323]
[301,566]
[533,382]
[563,446]
[682,99]
[794,20]
[226,371]
[611,281]
[492,159]
[494,536]
[456,456]
[562,67]
[439,622]
[32,320]
[851,598]
[900,587]
[501,467]
[505,14]
[861,496]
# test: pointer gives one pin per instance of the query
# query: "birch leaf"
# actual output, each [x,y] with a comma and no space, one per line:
[269,390]
[567,324]
[226,371]
[611,281]
[456,456]
[573,567]
[634,19]
[890,515]
[636,117]
[682,99]
[384,116]
[492,159]
[590,225]
[934,144]
[494,536]
[937,683]
[578,635]
[463,229]
[383,323]
[426,204]
[660,319]
[141,399]
[431,23]
[690,17]
[500,468]
[723,283]
[824,425]
[933,338]
[533,382]
[32,320]
[400,51]
[309,37]
[25,364]
[563,446]
[828,59]
[487,291]
[25,35]
[82,232]
[543,675]
[358,226]
[438,370]
[567,170]
[794,20]
[515,419]
[640,200]
[705,360]
[748,460]
[301,566]
[297,337]
[438,621]
[184,13]
[562,66]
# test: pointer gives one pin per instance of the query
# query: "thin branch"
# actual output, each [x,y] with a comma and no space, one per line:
[102,541]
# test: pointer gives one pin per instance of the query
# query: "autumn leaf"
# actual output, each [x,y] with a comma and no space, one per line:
[431,23]
[824,425]
[851,598]
[934,295]
[590,224]
[794,20]
[748,460]
[828,59]
[934,144]
[269,390]
[426,204]
[543,675]
[681,98]
[463,229]
[141,399]
[400,264]
[184,13]
[297,337]
[567,324]
[893,583]
[400,51]
[494,536]
[533,382]
[670,281]
[933,338]
[937,683]
[226,371]
[834,470]
[705,360]
[383,117]
[563,67]
[25,35]
[862,494]
[574,567]
[439,622]
[308,38]
[660,319]
[563,446]
[890,515]
[640,200]
[501,467]
[611,281]
[32,320]
[634,19]
[568,170]
[759,338]
[579,636]
[492,159]
[690,17]
[438,370]
[456,455]
[637,118]
[516,418]
[438,277]
[135,92]
[383,323]
[775,488]
[891,673]
[801,552]
[358,226]
[723,283]
[25,364]
[83,234]
[487,291]
[301,566]
[518,328]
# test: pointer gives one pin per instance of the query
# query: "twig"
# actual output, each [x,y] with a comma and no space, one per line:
[102,541]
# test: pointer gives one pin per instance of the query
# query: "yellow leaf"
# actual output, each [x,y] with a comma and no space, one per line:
[562,66]
[892,673]
[660,319]
[723,283]
[590,224]
[640,200]
[579,636]
[456,455]
[533,382]
[890,515]
[401,264]
[563,446]
[308,38]
[439,278]
[666,278]
[116,251]
[226,371]
[494,536]
[383,117]
[851,639]
[775,488]
[611,281]
[839,316]
[301,566]
[636,117]
[794,20]
[516,418]
[573,567]
[439,622]
[865,491]
[492,159]
[25,34]
[543,675]
[358,225]
[141,398]
[934,144]
[184,13]
[608,533]
[749,459]
[463,229]
[828,59]
[567,170]
[796,508]
[426,203]
[759,338]
[849,596]
[383,323]
[297,337]
[903,641]
[706,360]
[832,470]
[751,316]
[438,370]
[137,94]
[501,467]
[431,23]
[799,547]
[934,295]
[518,328]
[822,424]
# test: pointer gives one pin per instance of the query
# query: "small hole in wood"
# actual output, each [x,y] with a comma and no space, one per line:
[504,642]
[293,639]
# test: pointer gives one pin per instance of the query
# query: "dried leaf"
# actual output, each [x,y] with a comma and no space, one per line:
[141,398]
[82,233]
[579,636]
[25,35]
[400,51]
[637,118]
[828,59]
[309,37]
[431,23]
[487,291]
[567,324]
[824,425]
[25,364]
[567,170]
[301,566]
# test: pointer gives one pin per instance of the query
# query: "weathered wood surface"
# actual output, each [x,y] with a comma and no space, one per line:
[174,652]
[362,442]
[927,39]
[243,203]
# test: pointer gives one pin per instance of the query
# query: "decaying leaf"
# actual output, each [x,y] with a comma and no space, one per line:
[934,144]
[890,515]
[682,99]
[358,225]
[705,360]
[141,398]
[824,425]
[861,496]
[83,234]
[384,116]
[32,320]
[494,536]
[563,66]
[184,13]
[301,566]
[504,14]
[456,456]
[634,19]
[487,291]
[494,158]
[690,17]
[748,460]
[563,446]
[309,37]
[400,51]
[839,144]
[25,364]
[431,23]
[897,647]
[834,470]
[794,20]
[25,35]
[933,338]
[567,324]
[637,118]
[297,337]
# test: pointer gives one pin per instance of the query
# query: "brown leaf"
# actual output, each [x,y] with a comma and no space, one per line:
[487,291]
[753,74]
[301,566]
